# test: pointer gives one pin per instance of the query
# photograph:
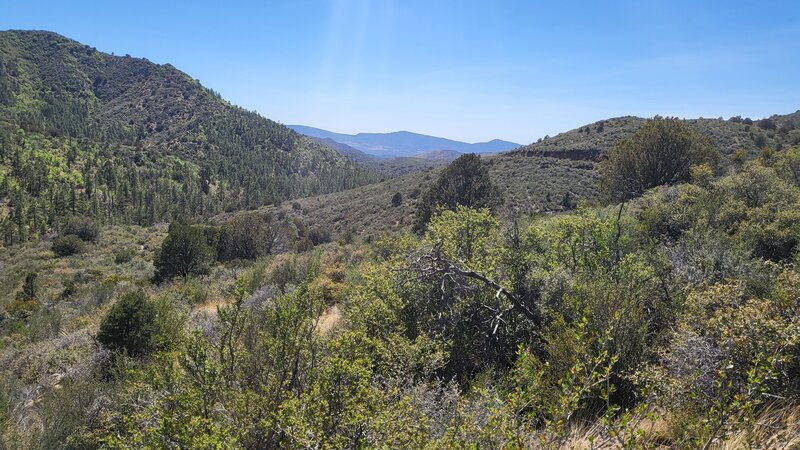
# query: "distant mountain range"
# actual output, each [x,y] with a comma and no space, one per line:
[392,167]
[404,143]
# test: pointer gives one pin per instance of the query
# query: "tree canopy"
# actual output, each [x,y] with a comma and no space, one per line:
[185,251]
[662,152]
[464,182]
[130,325]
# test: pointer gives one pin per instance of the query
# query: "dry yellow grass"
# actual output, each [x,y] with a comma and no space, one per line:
[211,307]
[777,427]
[328,320]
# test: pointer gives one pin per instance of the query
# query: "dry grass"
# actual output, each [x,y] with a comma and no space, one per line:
[210,307]
[329,320]
[777,427]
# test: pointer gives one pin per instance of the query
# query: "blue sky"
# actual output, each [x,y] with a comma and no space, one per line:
[467,70]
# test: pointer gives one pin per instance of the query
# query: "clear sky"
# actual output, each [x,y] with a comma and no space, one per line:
[466,70]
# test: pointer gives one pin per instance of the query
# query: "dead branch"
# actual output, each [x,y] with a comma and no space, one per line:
[433,264]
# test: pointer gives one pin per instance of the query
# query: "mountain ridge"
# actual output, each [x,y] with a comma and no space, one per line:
[404,143]
[592,141]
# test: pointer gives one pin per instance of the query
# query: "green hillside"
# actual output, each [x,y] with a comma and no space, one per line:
[594,140]
[529,185]
[552,175]
[125,140]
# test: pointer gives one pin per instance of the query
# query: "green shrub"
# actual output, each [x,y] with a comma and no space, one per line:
[125,255]
[248,236]
[83,227]
[319,235]
[397,199]
[69,289]
[130,326]
[67,245]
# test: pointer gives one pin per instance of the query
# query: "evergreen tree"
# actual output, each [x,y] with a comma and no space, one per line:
[184,252]
[661,152]
[464,182]
[130,326]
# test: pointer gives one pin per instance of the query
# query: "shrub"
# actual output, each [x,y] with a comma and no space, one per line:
[184,252]
[26,301]
[67,245]
[303,245]
[125,255]
[83,227]
[130,326]
[397,199]
[319,235]
[766,124]
[760,140]
[30,287]
[69,289]
[248,236]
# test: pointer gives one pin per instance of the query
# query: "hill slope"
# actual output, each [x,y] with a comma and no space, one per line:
[404,143]
[551,175]
[594,140]
[530,185]
[124,139]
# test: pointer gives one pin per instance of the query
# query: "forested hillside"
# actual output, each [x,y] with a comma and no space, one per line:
[127,141]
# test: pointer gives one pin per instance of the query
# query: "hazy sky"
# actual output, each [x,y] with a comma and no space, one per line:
[473,71]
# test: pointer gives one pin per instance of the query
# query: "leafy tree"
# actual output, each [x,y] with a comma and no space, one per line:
[661,152]
[465,182]
[184,252]
[67,245]
[83,227]
[130,326]
[248,236]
